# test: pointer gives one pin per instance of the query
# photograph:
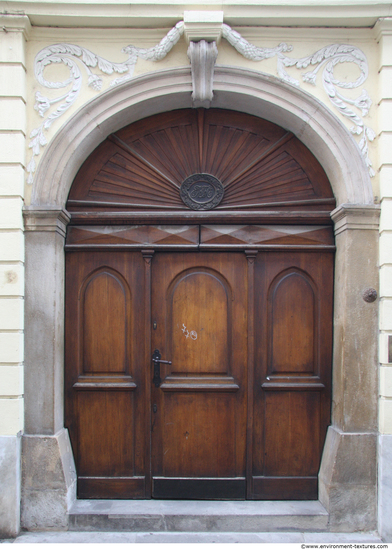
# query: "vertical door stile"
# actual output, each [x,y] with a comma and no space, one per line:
[147,256]
[250,256]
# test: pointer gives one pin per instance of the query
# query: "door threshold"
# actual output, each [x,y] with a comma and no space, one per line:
[197,516]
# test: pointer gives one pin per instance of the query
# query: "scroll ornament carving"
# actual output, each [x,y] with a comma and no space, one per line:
[328,58]
[72,56]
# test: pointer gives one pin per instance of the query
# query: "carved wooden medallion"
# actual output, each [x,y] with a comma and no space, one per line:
[201,192]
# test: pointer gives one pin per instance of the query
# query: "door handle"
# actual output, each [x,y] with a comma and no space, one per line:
[156,359]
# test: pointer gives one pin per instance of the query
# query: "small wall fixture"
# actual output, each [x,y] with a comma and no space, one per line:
[369,295]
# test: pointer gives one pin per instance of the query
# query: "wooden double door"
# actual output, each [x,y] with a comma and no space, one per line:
[241,411]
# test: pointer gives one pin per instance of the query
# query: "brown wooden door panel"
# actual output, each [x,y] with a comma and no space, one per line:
[199,412]
[114,448]
[198,299]
[199,435]
[105,385]
[292,425]
[293,328]
[199,427]
[105,307]
[284,488]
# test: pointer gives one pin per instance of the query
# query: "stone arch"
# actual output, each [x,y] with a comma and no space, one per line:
[238,89]
[348,469]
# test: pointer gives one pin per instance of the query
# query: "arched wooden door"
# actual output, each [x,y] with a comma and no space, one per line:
[201,239]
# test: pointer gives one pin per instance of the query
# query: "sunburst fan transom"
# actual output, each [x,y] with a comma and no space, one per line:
[260,165]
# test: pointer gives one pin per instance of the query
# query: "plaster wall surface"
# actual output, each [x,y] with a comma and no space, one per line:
[385,261]
[12,164]
[385,137]
[150,13]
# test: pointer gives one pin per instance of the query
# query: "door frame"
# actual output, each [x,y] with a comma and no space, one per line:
[353,434]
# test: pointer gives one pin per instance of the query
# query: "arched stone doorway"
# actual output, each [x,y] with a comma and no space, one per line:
[353,432]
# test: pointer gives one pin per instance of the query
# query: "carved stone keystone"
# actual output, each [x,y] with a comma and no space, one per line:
[202,56]
[203,31]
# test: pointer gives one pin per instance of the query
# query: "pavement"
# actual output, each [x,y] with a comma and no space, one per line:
[56,537]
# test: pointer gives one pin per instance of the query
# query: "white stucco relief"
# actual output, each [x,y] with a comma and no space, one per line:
[69,55]
[328,57]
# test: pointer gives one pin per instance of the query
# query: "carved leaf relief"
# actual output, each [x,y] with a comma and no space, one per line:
[76,57]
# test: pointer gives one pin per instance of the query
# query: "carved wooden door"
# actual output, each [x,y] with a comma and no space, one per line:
[290,400]
[105,372]
[199,305]
[241,411]
[235,289]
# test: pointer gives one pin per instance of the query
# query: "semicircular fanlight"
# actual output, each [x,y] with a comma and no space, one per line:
[144,165]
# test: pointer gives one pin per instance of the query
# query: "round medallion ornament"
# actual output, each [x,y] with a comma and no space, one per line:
[201,192]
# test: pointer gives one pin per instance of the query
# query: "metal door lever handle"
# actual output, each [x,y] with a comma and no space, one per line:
[156,359]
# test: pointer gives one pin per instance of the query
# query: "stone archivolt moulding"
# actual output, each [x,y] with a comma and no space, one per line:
[202,56]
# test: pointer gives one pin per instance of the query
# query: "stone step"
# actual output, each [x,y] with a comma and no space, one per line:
[197,516]
[169,537]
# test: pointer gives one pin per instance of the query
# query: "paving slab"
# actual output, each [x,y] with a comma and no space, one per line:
[320,538]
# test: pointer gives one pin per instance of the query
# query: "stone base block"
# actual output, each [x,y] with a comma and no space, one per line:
[9,486]
[385,487]
[348,480]
[48,481]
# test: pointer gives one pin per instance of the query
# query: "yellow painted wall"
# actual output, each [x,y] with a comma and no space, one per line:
[20,43]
